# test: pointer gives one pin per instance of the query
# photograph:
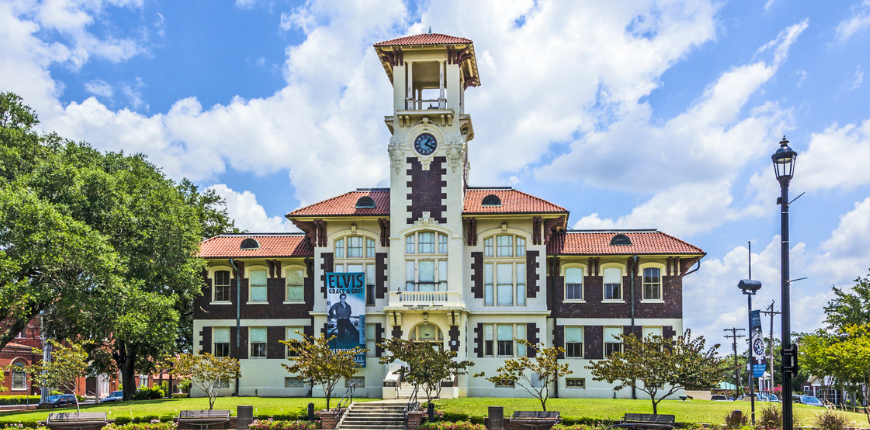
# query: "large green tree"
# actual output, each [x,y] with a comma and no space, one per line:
[102,244]
[849,306]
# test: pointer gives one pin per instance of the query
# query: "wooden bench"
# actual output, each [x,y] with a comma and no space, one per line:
[535,419]
[204,418]
[647,421]
[74,420]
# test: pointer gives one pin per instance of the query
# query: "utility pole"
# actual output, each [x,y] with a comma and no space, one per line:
[735,336]
[771,312]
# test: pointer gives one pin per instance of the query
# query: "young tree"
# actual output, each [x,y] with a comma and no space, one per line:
[426,366]
[314,361]
[206,372]
[67,365]
[853,353]
[850,306]
[523,371]
[660,367]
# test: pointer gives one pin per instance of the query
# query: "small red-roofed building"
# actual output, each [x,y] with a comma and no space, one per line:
[436,260]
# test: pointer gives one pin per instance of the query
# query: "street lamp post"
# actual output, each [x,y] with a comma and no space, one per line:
[749,287]
[783,165]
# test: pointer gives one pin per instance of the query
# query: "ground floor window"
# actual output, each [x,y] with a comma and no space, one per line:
[357,381]
[506,384]
[574,342]
[499,340]
[257,339]
[293,382]
[612,341]
[19,378]
[221,339]
[575,383]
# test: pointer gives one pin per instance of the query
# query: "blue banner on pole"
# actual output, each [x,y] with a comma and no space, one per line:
[756,342]
[346,320]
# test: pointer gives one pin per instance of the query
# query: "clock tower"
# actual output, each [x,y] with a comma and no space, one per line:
[428,152]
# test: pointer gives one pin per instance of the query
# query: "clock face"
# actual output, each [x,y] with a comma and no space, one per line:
[425,144]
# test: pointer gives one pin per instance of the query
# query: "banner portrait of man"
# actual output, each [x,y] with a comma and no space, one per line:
[346,316]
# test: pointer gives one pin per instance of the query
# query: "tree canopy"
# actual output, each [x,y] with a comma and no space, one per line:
[101,244]
[423,365]
[313,360]
[533,374]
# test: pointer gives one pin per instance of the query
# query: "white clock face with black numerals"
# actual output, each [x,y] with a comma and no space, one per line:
[425,144]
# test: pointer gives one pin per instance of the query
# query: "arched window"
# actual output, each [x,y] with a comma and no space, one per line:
[491,200]
[250,244]
[426,261]
[504,270]
[365,202]
[354,254]
[19,377]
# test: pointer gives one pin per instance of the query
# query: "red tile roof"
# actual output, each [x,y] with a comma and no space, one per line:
[271,245]
[598,243]
[512,201]
[425,39]
[345,204]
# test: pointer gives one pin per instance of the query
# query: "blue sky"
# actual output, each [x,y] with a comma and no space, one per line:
[636,114]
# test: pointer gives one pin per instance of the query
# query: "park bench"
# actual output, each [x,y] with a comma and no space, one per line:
[535,419]
[74,420]
[647,421]
[203,418]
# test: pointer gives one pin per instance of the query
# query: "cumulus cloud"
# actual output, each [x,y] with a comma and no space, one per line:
[248,214]
[681,161]
[845,254]
[857,79]
[859,21]
[824,166]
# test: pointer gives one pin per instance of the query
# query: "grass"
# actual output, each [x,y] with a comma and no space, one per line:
[693,411]
[262,406]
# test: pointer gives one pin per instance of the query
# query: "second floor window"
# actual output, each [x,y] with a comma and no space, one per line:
[355,247]
[504,284]
[258,286]
[652,284]
[573,283]
[612,283]
[295,285]
[222,286]
[221,339]
[506,245]
[426,242]
[257,340]
[426,275]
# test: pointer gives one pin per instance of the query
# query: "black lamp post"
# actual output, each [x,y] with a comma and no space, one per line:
[783,165]
[749,287]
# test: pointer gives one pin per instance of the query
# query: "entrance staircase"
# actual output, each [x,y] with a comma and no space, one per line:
[374,416]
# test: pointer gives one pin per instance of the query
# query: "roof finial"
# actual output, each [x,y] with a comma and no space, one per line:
[430,29]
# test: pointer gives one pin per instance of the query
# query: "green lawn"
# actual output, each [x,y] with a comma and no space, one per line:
[694,411]
[262,406]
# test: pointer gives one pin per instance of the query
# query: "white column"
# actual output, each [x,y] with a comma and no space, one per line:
[410,94]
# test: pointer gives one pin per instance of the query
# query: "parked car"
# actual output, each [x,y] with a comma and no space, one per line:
[114,396]
[719,398]
[811,401]
[773,398]
[59,400]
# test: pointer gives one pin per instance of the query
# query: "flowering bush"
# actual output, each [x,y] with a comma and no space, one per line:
[153,425]
[12,427]
[447,425]
[573,427]
[271,424]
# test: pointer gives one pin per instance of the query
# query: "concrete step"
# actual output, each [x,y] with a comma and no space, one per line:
[373,420]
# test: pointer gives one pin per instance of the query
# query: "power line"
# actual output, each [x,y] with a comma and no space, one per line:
[771,312]
[735,336]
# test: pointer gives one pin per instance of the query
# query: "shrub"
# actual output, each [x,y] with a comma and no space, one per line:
[12,427]
[146,393]
[123,420]
[454,416]
[145,419]
[736,420]
[448,425]
[271,424]
[142,426]
[586,421]
[831,419]
[167,418]
[572,427]
[18,400]
[184,386]
[771,417]
[180,396]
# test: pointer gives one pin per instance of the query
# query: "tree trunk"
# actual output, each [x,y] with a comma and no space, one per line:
[126,360]
[655,405]
[543,405]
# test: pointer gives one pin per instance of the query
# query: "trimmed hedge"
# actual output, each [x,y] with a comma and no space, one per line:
[18,400]
[146,393]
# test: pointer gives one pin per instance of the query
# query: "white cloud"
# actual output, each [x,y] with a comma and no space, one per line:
[836,158]
[682,161]
[859,21]
[99,87]
[802,77]
[248,214]
[846,254]
[858,79]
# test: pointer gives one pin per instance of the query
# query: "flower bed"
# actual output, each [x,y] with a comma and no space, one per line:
[452,425]
[153,425]
[271,424]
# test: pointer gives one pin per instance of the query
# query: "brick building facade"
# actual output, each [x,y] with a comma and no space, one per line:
[468,268]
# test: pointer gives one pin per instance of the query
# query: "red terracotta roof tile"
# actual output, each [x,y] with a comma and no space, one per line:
[598,243]
[345,204]
[512,201]
[271,245]
[424,39]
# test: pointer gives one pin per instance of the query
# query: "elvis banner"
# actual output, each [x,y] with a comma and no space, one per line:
[346,319]
[756,342]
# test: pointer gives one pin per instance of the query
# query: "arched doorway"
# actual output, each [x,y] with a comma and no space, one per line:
[428,333]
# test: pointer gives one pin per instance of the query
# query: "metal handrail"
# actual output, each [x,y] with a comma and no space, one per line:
[347,399]
[413,404]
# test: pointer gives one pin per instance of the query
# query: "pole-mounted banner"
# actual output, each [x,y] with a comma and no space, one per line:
[756,341]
